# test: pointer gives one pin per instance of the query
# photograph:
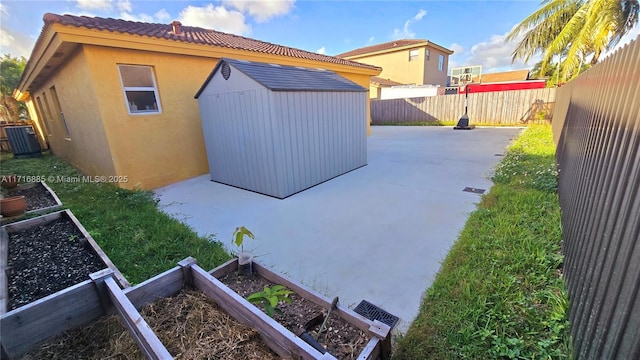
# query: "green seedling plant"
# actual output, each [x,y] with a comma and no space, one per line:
[238,237]
[270,298]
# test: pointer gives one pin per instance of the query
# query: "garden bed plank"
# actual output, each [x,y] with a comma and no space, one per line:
[162,285]
[34,323]
[281,340]
[149,343]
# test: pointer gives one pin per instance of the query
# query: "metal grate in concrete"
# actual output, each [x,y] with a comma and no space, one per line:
[474,190]
[373,312]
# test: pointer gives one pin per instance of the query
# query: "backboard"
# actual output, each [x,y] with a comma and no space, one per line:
[461,76]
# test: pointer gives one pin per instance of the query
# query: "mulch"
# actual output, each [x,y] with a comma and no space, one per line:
[189,324]
[45,259]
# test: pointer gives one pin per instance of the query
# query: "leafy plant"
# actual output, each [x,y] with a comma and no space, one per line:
[238,237]
[270,298]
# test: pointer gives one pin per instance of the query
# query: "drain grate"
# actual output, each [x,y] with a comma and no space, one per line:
[474,190]
[373,312]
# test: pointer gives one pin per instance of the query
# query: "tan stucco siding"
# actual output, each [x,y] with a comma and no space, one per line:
[86,147]
[153,150]
[431,73]
[397,67]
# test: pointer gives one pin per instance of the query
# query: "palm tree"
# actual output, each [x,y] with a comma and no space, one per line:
[579,27]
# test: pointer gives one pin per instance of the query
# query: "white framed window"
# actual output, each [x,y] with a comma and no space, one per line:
[441,62]
[427,54]
[413,55]
[140,89]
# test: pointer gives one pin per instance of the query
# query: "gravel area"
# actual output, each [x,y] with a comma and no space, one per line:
[37,196]
[47,258]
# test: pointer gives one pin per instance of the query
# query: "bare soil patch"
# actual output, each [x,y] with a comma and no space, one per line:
[342,340]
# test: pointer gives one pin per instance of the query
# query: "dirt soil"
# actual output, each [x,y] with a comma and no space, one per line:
[342,340]
[37,196]
[46,259]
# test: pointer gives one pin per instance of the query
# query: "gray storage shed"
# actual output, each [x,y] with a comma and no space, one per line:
[278,130]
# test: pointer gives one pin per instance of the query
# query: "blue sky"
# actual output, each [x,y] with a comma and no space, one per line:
[475,30]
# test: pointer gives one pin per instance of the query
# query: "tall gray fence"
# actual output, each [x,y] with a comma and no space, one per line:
[515,107]
[597,131]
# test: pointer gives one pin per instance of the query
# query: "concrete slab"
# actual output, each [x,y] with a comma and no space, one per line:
[377,233]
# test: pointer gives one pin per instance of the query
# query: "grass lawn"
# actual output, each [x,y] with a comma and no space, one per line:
[499,293]
[141,240]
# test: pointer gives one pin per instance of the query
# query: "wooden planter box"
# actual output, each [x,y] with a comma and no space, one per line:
[37,221]
[79,305]
[379,347]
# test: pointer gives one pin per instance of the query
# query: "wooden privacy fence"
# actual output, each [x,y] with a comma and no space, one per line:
[517,107]
[597,130]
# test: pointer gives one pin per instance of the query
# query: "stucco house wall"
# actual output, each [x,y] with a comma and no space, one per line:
[80,57]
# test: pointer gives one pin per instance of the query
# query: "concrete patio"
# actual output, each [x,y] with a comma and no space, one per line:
[377,233]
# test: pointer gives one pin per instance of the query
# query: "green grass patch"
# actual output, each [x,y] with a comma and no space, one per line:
[499,293]
[141,240]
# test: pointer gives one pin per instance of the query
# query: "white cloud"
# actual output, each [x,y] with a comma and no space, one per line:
[3,10]
[162,15]
[16,44]
[124,6]
[322,50]
[457,48]
[94,4]
[421,13]
[405,32]
[371,40]
[139,17]
[261,10]
[495,55]
[215,17]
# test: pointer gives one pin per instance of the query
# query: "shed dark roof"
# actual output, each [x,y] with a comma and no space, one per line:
[288,78]
[191,34]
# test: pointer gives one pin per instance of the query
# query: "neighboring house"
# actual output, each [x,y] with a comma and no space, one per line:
[116,97]
[376,84]
[409,61]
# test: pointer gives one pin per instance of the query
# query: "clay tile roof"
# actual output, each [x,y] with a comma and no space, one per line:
[384,82]
[194,35]
[516,75]
[390,45]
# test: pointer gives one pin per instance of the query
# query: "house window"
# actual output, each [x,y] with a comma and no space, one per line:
[140,89]
[41,116]
[441,62]
[427,53]
[58,109]
[413,55]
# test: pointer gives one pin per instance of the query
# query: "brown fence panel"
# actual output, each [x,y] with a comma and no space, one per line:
[517,107]
[597,130]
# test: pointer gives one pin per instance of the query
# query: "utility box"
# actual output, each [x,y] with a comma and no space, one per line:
[278,130]
[23,141]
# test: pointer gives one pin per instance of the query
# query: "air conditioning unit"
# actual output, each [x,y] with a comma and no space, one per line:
[23,141]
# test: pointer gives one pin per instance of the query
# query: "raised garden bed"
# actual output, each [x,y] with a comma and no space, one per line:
[44,255]
[40,199]
[350,336]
